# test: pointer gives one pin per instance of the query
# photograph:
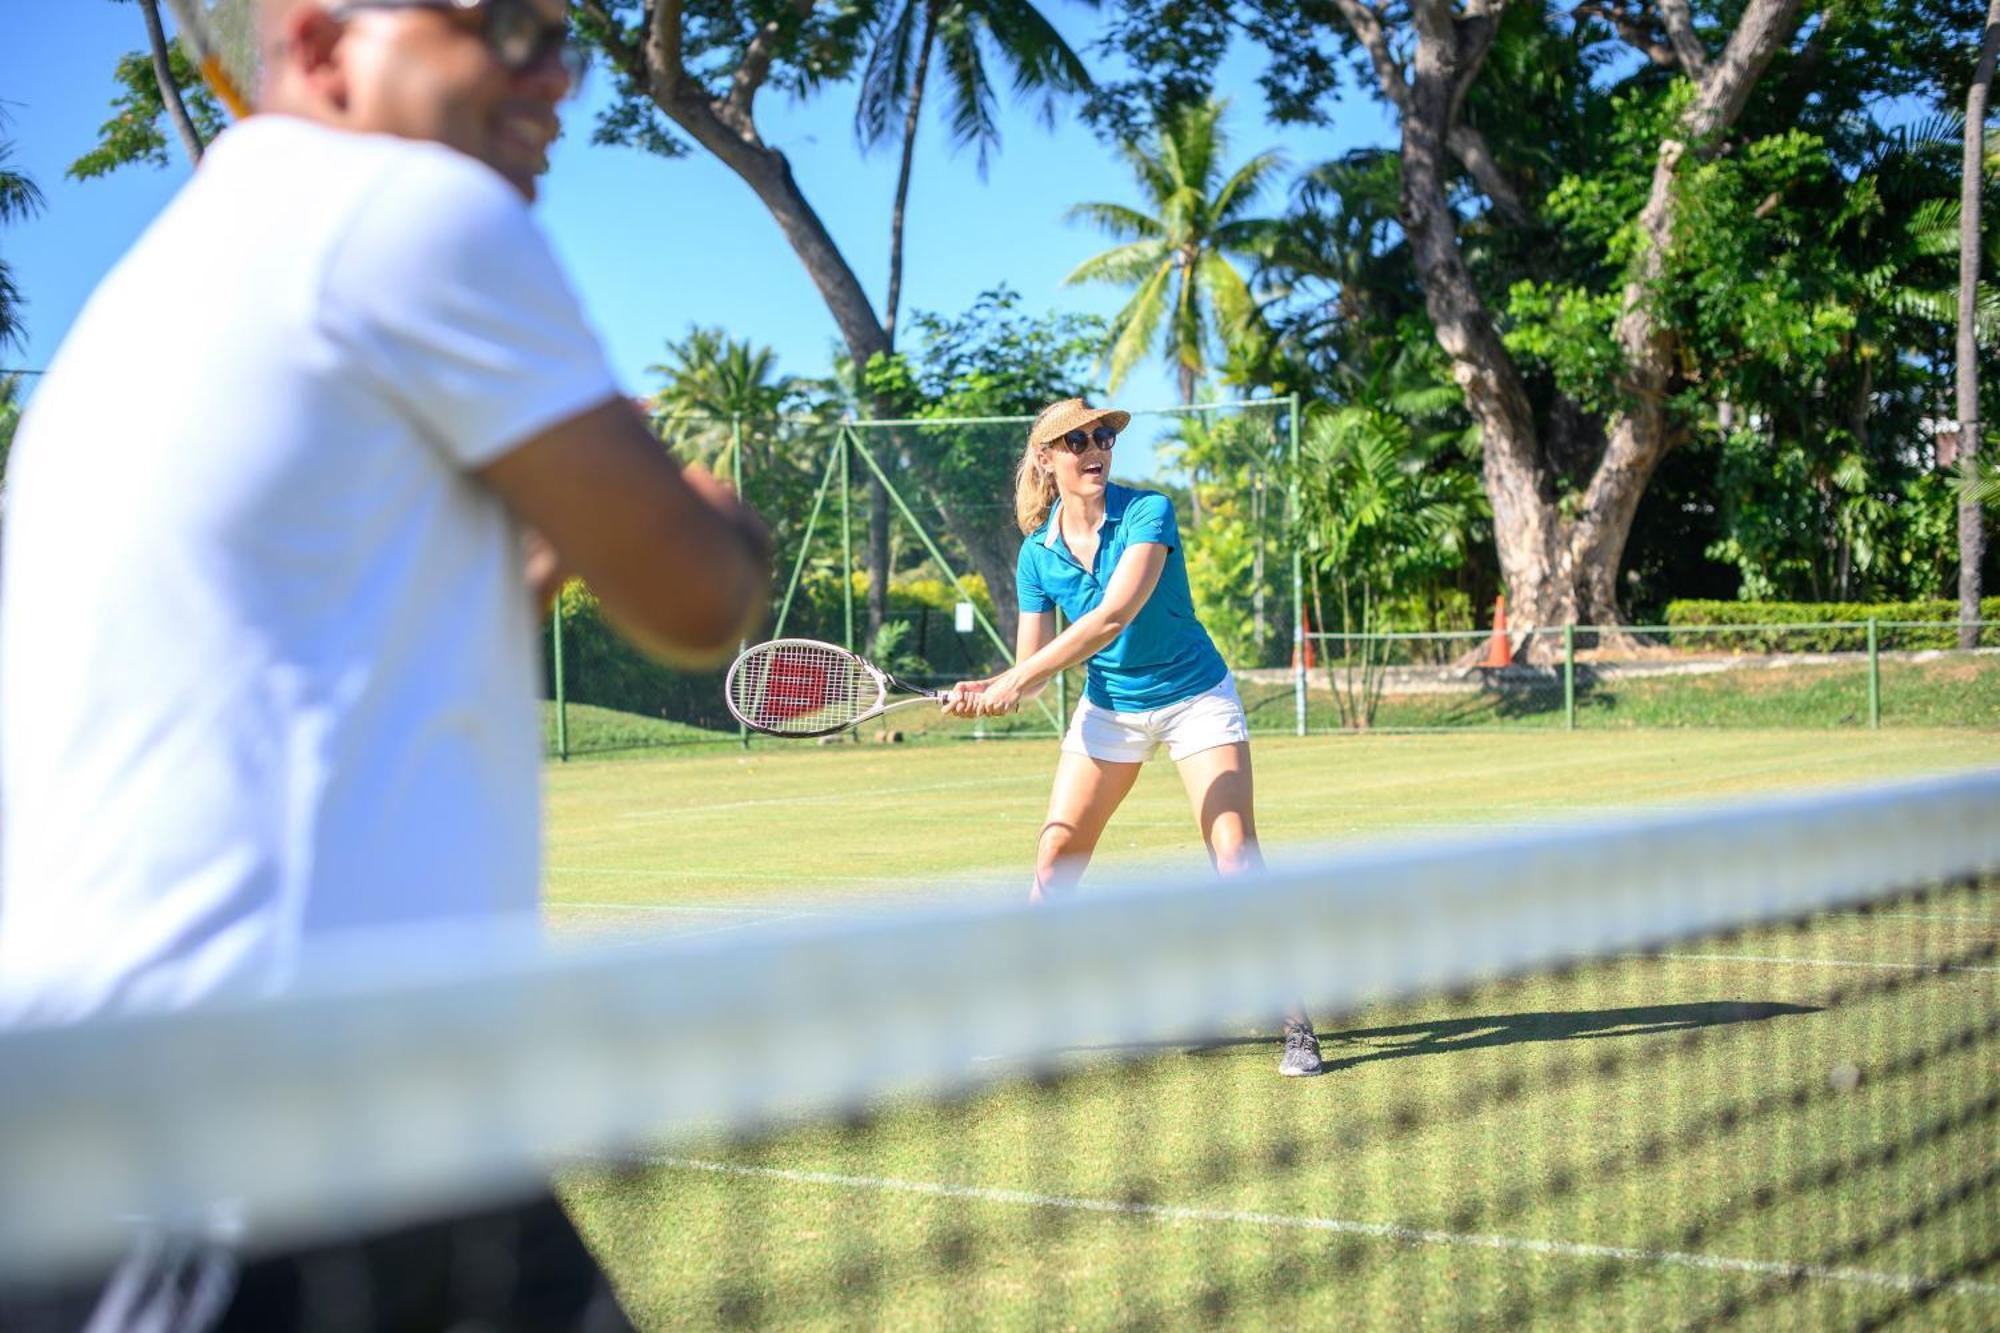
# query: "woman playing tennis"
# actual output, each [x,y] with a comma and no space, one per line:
[1110,557]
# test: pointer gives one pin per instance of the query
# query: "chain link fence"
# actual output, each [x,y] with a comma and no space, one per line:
[934,500]
[936,497]
[1830,674]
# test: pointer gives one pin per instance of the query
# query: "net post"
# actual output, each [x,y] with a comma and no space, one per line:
[1298,572]
[846,537]
[1569,677]
[1874,677]
[556,667]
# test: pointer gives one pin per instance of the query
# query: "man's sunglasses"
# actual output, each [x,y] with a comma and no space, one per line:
[1079,441]
[518,32]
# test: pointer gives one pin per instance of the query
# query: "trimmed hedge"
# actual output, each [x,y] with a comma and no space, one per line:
[1849,622]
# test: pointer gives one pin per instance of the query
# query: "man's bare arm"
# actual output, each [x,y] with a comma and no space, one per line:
[681,566]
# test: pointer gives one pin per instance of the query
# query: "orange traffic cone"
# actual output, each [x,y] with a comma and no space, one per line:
[1499,649]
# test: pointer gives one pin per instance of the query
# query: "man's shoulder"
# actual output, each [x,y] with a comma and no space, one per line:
[326,166]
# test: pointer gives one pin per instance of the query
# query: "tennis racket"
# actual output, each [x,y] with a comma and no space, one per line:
[220,36]
[802,687]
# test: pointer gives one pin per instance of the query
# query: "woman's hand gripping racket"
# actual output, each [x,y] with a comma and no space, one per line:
[802,687]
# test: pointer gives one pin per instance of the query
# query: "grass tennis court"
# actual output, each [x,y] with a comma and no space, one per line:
[1708,1138]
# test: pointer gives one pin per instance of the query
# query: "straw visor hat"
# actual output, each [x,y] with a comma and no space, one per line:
[1075,414]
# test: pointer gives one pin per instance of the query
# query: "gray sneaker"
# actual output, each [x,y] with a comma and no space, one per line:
[1301,1058]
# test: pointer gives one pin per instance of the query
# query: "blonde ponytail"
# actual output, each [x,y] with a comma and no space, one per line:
[1034,485]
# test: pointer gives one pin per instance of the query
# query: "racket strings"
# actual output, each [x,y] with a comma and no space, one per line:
[801,688]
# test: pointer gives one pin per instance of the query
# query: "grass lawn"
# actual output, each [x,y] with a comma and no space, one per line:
[1777,1129]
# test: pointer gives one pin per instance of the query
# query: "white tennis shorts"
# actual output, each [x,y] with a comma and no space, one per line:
[1201,722]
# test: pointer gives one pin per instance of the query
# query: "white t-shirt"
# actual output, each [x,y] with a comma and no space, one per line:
[267,659]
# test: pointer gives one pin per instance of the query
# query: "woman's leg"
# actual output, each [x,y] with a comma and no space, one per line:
[1086,792]
[1220,790]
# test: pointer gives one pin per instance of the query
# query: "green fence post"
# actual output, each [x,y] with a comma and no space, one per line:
[736,477]
[846,538]
[562,702]
[1062,688]
[1298,579]
[1569,678]
[1874,677]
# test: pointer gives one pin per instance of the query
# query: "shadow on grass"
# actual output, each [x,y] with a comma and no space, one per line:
[1443,1035]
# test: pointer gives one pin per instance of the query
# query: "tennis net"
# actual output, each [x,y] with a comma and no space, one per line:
[1698,1068]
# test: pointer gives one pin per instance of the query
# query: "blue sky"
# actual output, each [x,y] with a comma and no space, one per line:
[655,246]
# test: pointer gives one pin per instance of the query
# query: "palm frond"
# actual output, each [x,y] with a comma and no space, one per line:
[886,78]
[973,109]
[1117,219]
[20,197]
[1124,264]
[1043,61]
[1245,183]
[1137,326]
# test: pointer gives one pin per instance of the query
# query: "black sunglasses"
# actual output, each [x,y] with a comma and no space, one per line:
[515,31]
[1078,442]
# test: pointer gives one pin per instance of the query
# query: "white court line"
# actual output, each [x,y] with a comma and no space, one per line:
[1808,962]
[705,874]
[705,909]
[1375,1230]
[827,798]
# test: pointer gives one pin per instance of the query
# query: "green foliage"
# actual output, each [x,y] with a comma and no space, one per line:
[1842,624]
[1019,33]
[11,386]
[991,361]
[137,131]
[1571,331]
[808,46]
[601,668]
[20,198]
[1383,527]
[713,388]
[1235,464]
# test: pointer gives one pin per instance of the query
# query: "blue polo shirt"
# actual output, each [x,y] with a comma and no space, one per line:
[1164,655]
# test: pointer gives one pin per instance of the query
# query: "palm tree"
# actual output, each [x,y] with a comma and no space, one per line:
[1178,256]
[905,39]
[714,391]
[19,198]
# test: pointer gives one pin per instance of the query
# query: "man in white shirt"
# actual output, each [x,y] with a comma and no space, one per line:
[267,648]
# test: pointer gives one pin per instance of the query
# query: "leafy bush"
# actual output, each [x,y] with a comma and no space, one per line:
[600,668]
[1848,622]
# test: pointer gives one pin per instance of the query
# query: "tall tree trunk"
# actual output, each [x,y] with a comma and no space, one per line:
[1971,523]
[1527,526]
[879,571]
[1559,562]
[910,121]
[170,91]
[726,127]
